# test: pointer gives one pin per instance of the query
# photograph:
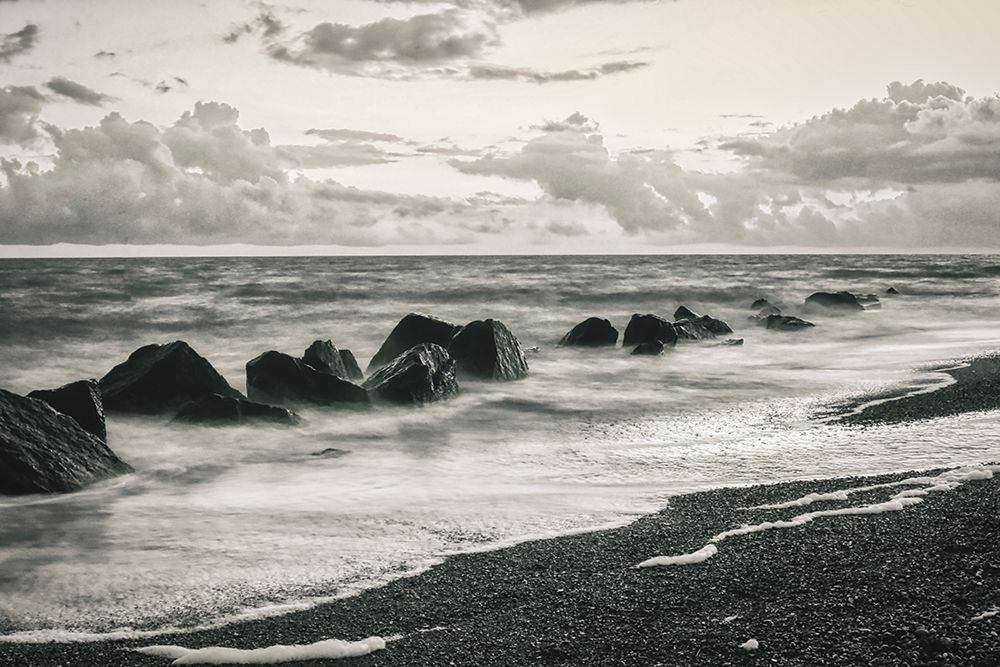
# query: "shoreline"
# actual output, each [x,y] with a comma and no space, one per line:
[900,587]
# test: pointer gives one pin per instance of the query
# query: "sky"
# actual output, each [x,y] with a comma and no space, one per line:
[382,126]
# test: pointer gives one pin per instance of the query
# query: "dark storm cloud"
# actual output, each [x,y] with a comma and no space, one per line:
[16,43]
[76,91]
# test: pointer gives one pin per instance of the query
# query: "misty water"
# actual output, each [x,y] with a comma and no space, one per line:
[219,520]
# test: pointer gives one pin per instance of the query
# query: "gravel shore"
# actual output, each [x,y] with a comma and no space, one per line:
[899,588]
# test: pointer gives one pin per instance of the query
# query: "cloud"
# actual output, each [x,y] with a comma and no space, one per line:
[265,24]
[16,43]
[575,122]
[19,110]
[339,134]
[110,55]
[77,91]
[503,73]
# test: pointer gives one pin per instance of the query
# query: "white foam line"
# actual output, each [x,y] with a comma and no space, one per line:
[946,381]
[270,655]
[989,613]
[946,481]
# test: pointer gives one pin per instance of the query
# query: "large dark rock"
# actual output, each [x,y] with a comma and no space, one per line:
[649,329]
[592,332]
[649,348]
[351,366]
[715,325]
[45,451]
[80,400]
[786,323]
[160,378]
[324,356]
[487,349]
[704,327]
[423,374]
[218,410]
[275,377]
[685,313]
[839,302]
[412,330]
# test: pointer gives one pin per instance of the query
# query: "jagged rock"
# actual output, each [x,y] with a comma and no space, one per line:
[649,348]
[219,410]
[45,451]
[715,325]
[786,323]
[843,302]
[412,330]
[160,378]
[81,400]
[324,356]
[275,377]
[692,330]
[648,329]
[487,349]
[685,313]
[892,291]
[592,332]
[423,374]
[351,366]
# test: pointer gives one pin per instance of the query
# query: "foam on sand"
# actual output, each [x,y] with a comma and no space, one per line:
[989,613]
[698,556]
[270,655]
[750,645]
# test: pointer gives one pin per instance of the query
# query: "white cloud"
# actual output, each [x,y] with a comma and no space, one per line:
[19,110]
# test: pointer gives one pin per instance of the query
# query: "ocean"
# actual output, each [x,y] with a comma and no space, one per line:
[223,521]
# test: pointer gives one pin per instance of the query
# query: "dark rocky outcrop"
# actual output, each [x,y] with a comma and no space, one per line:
[715,325]
[649,348]
[161,378]
[80,400]
[423,374]
[412,330]
[324,356]
[592,332]
[838,302]
[685,313]
[704,327]
[218,410]
[649,329]
[351,366]
[275,377]
[487,349]
[45,451]
[786,323]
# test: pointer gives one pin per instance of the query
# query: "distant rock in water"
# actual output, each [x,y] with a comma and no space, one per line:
[487,349]
[218,410]
[758,304]
[351,366]
[843,302]
[786,323]
[732,342]
[649,348]
[763,308]
[275,377]
[412,330]
[423,374]
[715,325]
[331,453]
[592,332]
[161,378]
[80,400]
[869,301]
[45,451]
[649,329]
[685,313]
[892,291]
[324,356]
[704,327]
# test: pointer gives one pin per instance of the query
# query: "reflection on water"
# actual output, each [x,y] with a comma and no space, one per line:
[219,519]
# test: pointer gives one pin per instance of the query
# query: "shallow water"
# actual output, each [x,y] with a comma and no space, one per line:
[217,520]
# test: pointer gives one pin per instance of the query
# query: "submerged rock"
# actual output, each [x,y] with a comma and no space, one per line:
[592,332]
[412,330]
[324,356]
[423,374]
[219,410]
[160,378]
[732,342]
[843,302]
[649,329]
[45,451]
[892,291]
[351,366]
[763,308]
[869,301]
[487,349]
[649,348]
[786,323]
[275,377]
[81,400]
[685,313]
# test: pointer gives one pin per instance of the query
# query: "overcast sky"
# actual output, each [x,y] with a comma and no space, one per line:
[501,125]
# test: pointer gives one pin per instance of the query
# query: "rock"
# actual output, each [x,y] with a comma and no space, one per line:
[650,348]
[331,453]
[45,451]
[412,330]
[324,356]
[423,374]
[715,325]
[843,302]
[351,366]
[760,303]
[160,378]
[734,342]
[763,308]
[80,400]
[685,313]
[786,323]
[869,301]
[892,291]
[487,349]
[275,377]
[649,329]
[219,410]
[592,332]
[703,327]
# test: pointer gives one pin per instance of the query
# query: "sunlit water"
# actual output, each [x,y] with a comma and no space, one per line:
[218,520]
